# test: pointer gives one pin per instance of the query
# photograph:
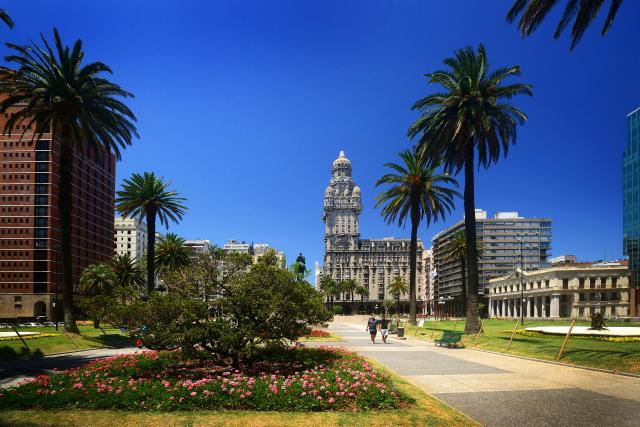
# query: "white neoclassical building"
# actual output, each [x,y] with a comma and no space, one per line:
[131,237]
[566,291]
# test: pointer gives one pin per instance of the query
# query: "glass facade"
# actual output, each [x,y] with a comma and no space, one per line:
[631,194]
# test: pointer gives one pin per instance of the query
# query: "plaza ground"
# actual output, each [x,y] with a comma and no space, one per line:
[499,390]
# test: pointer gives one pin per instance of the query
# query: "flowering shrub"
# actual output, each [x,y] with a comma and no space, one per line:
[159,381]
[318,333]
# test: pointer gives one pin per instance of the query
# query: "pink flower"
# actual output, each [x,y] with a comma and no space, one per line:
[181,399]
[193,393]
[332,400]
[172,398]
[319,397]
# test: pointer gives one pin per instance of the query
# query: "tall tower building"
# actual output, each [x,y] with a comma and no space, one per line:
[372,263]
[631,196]
[131,237]
[30,233]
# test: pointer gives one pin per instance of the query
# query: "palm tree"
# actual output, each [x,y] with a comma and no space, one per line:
[417,192]
[581,12]
[455,250]
[349,286]
[471,114]
[171,253]
[128,274]
[55,93]
[4,16]
[397,288]
[329,287]
[97,279]
[362,291]
[147,196]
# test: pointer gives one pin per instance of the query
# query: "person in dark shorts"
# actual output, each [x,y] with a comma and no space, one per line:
[384,328]
[372,327]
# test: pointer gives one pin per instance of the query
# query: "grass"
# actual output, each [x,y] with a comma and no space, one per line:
[331,338]
[427,411]
[621,357]
[89,338]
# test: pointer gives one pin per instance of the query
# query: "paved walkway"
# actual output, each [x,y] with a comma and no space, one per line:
[14,371]
[498,390]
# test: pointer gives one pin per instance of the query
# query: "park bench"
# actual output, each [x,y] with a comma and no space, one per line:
[449,338]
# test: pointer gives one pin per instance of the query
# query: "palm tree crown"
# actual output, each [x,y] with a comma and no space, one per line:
[171,253]
[4,16]
[398,287]
[415,181]
[128,273]
[97,279]
[455,249]
[582,13]
[148,196]
[470,116]
[53,92]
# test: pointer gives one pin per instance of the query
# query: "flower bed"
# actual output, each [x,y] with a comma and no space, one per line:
[333,379]
[318,333]
[28,337]
[579,337]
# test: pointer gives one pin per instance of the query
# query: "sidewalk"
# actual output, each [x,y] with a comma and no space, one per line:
[498,390]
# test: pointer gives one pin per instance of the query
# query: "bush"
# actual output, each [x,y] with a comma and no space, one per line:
[317,333]
[327,379]
[338,310]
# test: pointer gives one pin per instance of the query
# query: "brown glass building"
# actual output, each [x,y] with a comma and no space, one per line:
[30,240]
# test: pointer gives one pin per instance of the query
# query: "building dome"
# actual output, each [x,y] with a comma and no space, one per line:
[328,191]
[342,164]
[356,191]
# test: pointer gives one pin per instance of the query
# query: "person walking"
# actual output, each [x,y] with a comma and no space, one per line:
[372,327]
[384,328]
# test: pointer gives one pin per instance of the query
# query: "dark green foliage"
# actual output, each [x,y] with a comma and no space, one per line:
[581,12]
[171,254]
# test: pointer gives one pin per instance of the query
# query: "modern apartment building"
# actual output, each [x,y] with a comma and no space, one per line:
[631,196]
[508,242]
[131,237]
[374,263]
[30,234]
[198,246]
[256,250]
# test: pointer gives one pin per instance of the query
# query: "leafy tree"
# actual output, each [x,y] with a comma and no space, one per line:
[417,192]
[147,196]
[97,280]
[581,12]
[388,305]
[397,288]
[171,253]
[329,287]
[54,93]
[455,250]
[470,115]
[4,16]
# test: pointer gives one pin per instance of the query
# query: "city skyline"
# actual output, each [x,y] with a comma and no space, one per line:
[361,106]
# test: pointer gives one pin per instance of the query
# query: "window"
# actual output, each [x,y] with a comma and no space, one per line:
[581,283]
[614,282]
[592,283]
[565,283]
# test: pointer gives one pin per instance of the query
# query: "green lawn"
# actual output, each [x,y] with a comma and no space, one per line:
[427,411]
[331,338]
[89,338]
[623,357]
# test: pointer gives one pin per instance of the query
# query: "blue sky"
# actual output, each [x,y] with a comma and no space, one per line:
[243,105]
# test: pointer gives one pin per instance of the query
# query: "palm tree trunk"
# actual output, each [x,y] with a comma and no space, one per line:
[151,249]
[413,253]
[65,201]
[463,275]
[472,324]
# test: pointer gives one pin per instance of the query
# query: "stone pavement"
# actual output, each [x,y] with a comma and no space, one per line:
[14,371]
[498,390]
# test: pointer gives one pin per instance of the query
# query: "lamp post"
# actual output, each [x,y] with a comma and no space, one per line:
[521,241]
[55,314]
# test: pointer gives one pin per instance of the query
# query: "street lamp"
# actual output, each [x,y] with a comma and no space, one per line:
[55,313]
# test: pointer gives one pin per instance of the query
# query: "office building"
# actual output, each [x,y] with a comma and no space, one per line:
[131,237]
[256,250]
[631,195]
[30,233]
[373,263]
[508,241]
[198,246]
